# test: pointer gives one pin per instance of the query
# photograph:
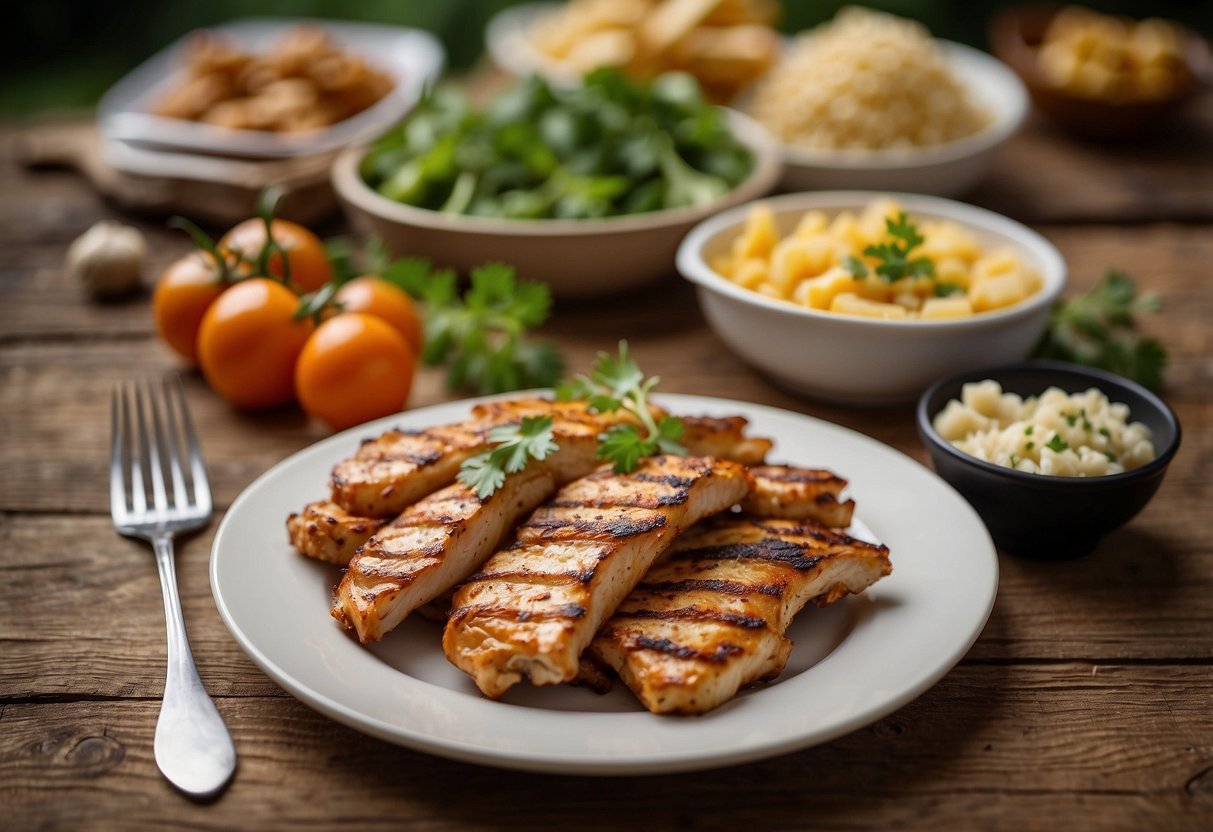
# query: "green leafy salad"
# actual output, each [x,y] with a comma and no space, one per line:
[607,148]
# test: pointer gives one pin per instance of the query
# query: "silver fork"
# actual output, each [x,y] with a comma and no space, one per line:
[151,432]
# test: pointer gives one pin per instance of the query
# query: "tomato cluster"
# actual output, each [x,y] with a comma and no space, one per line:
[238,311]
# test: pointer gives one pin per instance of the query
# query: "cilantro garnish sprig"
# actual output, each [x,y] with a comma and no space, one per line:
[513,446]
[617,383]
[894,254]
[481,335]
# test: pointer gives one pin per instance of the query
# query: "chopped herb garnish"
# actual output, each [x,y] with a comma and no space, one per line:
[1029,446]
[1028,430]
[1071,419]
[943,290]
[619,384]
[1107,434]
[1086,423]
[894,255]
[1111,456]
[1013,460]
[855,266]
[513,447]
[1057,444]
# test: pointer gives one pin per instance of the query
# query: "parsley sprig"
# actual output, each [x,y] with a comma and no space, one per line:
[1099,328]
[513,447]
[617,383]
[481,335]
[894,254]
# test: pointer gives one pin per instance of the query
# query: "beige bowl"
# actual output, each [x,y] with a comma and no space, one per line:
[577,258]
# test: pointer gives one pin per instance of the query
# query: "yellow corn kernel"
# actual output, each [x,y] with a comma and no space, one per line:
[758,236]
[846,228]
[952,270]
[850,304]
[819,292]
[787,264]
[770,290]
[918,286]
[873,288]
[940,308]
[750,273]
[872,220]
[1002,261]
[945,239]
[722,264]
[812,224]
[997,291]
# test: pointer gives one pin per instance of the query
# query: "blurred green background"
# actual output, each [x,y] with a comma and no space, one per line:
[63,54]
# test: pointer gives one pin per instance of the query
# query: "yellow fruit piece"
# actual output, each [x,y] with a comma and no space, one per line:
[941,308]
[759,236]
[819,292]
[749,273]
[997,291]
[851,304]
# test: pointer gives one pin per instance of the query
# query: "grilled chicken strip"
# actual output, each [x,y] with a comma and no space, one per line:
[711,617]
[325,531]
[444,538]
[799,494]
[536,605]
[432,546]
[395,470]
[390,473]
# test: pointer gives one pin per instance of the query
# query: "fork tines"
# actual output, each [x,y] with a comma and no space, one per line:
[156,460]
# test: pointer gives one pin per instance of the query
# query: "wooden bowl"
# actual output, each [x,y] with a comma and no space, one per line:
[1016,33]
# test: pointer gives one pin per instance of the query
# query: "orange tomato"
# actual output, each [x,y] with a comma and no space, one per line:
[355,367]
[377,297]
[184,292]
[305,255]
[249,342]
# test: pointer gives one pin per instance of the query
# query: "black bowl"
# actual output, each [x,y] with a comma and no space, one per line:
[1040,516]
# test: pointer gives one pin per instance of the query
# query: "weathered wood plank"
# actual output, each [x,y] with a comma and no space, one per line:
[956,758]
[80,610]
[54,399]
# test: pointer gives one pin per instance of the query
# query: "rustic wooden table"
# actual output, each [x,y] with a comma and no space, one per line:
[1085,704]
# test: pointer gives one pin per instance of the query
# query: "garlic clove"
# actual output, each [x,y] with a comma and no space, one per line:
[107,260]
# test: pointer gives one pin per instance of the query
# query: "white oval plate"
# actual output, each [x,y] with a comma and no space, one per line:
[853,663]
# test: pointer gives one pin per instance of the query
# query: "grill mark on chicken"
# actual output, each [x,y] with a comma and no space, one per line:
[749,622]
[556,528]
[713,585]
[573,611]
[769,549]
[506,625]
[711,617]
[681,651]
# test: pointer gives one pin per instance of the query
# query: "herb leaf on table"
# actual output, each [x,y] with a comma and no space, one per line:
[1099,328]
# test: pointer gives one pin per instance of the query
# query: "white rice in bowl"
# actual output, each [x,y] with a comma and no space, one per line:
[1057,433]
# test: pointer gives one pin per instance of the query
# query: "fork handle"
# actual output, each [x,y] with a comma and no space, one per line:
[193,747]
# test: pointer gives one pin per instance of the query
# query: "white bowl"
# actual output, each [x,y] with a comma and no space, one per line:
[412,57]
[507,39]
[576,258]
[857,360]
[948,169]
